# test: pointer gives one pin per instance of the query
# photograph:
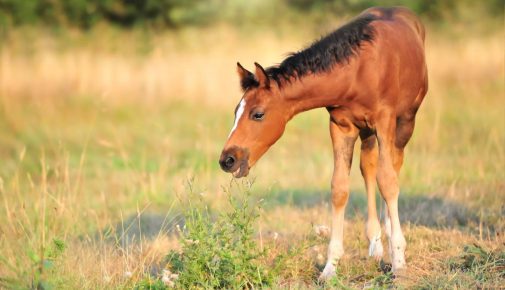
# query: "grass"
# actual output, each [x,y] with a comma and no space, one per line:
[102,147]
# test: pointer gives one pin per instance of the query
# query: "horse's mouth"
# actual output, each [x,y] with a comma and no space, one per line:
[241,171]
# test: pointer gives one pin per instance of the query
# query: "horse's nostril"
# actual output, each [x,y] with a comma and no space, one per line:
[229,161]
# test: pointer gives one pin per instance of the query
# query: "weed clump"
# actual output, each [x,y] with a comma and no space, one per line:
[481,263]
[218,250]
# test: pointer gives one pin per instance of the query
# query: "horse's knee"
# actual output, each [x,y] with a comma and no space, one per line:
[339,192]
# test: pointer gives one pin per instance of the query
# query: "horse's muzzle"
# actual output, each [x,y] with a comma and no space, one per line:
[235,160]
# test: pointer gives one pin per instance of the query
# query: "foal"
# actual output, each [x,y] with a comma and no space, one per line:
[371,76]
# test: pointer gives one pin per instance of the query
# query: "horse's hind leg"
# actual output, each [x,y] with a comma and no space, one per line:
[390,158]
[343,135]
[368,166]
[403,133]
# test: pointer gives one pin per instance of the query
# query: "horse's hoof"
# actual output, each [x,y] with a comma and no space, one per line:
[398,259]
[328,272]
[398,265]
[402,276]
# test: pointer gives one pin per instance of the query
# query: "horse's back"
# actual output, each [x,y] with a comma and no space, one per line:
[398,14]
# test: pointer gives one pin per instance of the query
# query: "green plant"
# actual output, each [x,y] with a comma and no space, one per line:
[176,13]
[220,251]
[337,282]
[150,284]
[481,263]
[43,263]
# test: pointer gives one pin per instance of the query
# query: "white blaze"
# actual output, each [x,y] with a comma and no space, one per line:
[239,113]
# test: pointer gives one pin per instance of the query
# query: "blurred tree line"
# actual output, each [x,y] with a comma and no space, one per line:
[85,14]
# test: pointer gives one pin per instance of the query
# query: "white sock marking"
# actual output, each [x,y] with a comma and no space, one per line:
[374,244]
[239,113]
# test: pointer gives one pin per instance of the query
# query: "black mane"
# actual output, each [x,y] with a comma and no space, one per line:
[323,54]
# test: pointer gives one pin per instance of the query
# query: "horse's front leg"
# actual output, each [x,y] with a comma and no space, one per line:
[343,135]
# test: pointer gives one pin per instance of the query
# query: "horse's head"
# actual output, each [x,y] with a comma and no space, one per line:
[260,119]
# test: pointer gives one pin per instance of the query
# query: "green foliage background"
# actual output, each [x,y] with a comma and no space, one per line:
[85,14]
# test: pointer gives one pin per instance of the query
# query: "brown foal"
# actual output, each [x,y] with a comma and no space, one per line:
[371,76]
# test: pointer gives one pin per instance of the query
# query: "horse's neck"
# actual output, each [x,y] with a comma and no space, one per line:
[318,90]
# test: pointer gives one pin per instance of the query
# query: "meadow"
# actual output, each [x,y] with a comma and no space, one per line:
[109,138]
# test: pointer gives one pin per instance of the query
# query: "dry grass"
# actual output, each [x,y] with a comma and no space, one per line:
[147,68]
[97,128]
[168,65]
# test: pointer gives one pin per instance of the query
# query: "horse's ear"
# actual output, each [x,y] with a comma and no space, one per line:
[262,76]
[247,79]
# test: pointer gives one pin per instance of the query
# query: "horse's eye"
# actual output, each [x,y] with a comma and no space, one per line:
[258,116]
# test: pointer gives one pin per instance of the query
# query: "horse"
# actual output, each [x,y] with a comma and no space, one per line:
[371,76]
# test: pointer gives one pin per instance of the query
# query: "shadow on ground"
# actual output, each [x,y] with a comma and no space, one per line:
[433,212]
[414,208]
[145,226]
